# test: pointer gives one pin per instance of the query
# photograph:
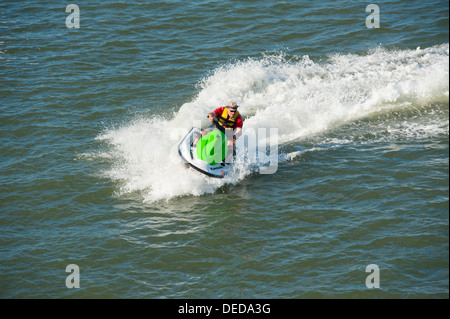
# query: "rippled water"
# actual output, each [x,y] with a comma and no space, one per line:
[91,118]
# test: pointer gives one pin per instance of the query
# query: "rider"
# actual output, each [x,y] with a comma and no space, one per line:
[229,118]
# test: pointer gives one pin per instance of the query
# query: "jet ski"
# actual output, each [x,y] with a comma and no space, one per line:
[205,153]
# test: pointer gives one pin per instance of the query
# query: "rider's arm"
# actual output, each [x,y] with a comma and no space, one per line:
[238,132]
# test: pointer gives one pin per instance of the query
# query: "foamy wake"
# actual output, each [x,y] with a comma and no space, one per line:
[296,95]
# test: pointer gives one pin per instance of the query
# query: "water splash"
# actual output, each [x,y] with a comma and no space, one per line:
[298,96]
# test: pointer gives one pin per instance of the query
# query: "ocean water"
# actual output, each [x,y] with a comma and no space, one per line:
[90,176]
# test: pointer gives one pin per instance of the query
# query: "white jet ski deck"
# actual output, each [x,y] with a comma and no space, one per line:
[207,155]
